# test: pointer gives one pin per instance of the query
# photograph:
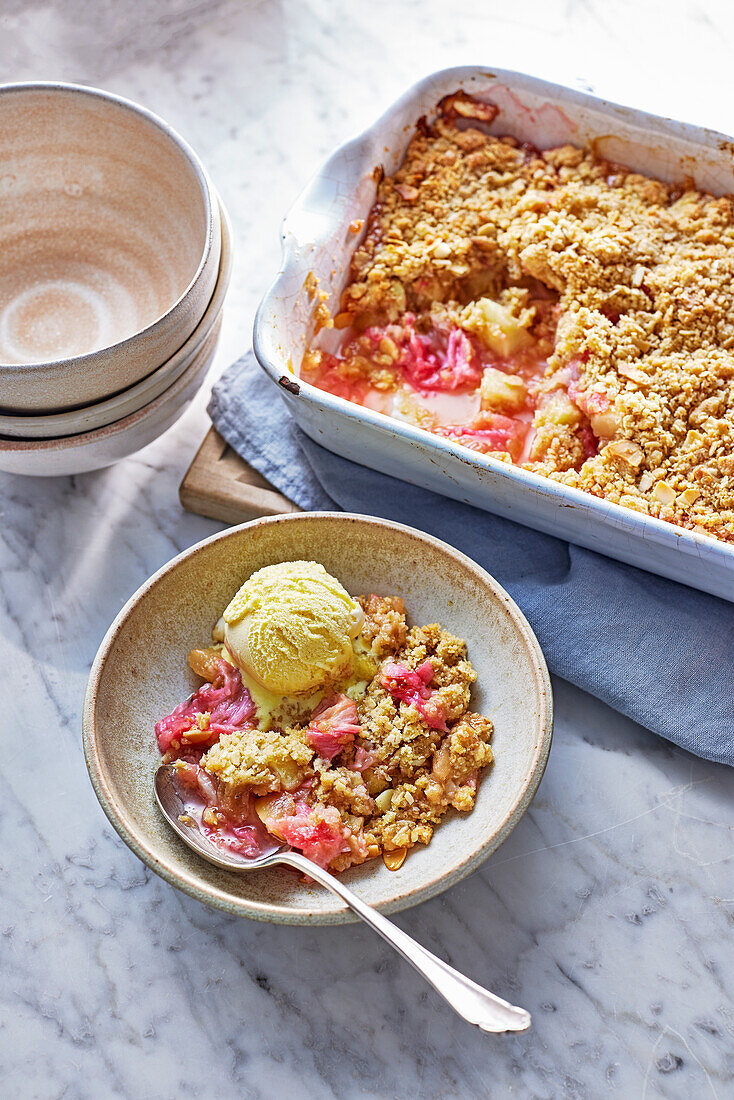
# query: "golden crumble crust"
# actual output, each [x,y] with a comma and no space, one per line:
[451,781]
[401,738]
[385,628]
[263,760]
[644,277]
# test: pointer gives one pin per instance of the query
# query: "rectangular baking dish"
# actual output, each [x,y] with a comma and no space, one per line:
[316,239]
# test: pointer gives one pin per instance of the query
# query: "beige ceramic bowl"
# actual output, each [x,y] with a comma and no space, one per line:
[88,419]
[78,454]
[103,446]
[110,241]
[140,673]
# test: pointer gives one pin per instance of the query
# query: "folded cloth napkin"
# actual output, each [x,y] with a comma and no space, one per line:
[657,651]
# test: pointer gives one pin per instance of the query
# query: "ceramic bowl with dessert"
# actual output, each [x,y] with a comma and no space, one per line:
[117,257]
[346,686]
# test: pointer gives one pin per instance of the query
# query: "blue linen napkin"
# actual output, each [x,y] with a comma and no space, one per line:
[657,651]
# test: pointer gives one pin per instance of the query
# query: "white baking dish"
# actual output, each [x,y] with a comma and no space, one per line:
[315,239]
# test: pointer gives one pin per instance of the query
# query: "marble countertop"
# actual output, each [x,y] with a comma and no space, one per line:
[607,913]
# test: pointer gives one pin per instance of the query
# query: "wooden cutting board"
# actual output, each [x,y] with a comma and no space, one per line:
[221,485]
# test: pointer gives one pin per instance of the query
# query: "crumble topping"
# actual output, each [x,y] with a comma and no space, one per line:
[402,737]
[384,628]
[587,308]
[417,805]
[361,777]
[263,760]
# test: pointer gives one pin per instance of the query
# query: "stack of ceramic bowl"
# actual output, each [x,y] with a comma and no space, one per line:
[116,259]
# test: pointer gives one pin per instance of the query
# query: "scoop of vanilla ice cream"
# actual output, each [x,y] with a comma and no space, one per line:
[291,627]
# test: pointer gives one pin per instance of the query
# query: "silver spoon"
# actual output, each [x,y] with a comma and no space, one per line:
[476,1005]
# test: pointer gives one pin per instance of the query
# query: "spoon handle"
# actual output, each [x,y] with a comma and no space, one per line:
[472,1002]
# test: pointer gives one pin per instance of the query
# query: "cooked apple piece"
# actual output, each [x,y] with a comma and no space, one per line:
[274,808]
[604,424]
[559,409]
[495,326]
[502,391]
[205,662]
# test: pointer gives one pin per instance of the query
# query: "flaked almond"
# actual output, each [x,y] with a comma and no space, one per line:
[406,191]
[394,860]
[646,481]
[383,801]
[198,734]
[690,496]
[664,493]
[311,284]
[195,736]
[629,454]
[693,439]
[699,530]
[634,374]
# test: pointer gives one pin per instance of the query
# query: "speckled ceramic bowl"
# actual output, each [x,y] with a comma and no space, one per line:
[140,673]
[78,454]
[52,426]
[110,242]
[115,439]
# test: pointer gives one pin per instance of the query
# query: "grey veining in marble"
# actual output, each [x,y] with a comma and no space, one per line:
[608,913]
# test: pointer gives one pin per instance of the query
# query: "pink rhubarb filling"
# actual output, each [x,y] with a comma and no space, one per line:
[333,725]
[217,708]
[412,687]
[241,823]
[442,371]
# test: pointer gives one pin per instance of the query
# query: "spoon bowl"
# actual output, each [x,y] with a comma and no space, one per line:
[173,806]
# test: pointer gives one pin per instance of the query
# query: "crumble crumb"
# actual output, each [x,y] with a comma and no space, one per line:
[263,760]
[385,628]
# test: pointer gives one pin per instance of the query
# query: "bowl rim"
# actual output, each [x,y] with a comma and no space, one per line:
[175,367]
[135,838]
[206,191]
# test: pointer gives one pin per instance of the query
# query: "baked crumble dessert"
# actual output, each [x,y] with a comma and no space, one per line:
[325,722]
[550,309]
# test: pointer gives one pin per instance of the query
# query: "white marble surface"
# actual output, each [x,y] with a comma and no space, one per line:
[608,913]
